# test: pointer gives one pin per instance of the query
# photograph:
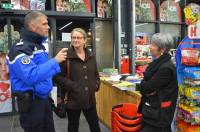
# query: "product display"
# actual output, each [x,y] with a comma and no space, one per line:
[104,8]
[192,13]
[170,11]
[5,87]
[188,74]
[143,57]
[190,56]
[73,5]
[145,10]
[28,4]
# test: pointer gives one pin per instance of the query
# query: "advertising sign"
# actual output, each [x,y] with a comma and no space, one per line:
[5,89]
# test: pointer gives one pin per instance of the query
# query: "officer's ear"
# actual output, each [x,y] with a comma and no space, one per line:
[32,26]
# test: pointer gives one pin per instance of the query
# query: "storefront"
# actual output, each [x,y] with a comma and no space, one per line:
[119,33]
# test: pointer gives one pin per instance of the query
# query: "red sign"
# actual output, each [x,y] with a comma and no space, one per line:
[193,32]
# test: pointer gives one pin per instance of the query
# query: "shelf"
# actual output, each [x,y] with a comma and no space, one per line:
[147,21]
[175,23]
[48,13]
[104,19]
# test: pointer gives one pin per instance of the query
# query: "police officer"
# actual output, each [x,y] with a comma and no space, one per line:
[31,72]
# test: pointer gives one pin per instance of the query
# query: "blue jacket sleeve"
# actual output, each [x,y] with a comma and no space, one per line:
[32,73]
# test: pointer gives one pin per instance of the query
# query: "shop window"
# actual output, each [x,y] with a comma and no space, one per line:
[145,10]
[170,11]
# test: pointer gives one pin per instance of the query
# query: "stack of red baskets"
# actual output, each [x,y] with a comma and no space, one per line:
[125,118]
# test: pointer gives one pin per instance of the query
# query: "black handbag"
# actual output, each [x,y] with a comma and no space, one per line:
[60,109]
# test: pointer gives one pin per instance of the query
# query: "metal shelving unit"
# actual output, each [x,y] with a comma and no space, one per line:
[125,22]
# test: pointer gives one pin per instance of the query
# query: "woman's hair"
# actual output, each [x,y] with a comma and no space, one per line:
[163,41]
[80,30]
[2,55]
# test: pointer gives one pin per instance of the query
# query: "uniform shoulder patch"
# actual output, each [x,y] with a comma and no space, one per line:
[26,60]
[20,43]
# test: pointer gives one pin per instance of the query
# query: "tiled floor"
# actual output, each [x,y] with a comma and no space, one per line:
[11,124]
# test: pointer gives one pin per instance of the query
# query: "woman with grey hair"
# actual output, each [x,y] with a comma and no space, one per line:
[159,87]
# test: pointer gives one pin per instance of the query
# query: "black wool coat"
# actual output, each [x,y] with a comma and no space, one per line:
[159,95]
[83,80]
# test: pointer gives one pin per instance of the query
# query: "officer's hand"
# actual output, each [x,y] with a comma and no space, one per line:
[62,55]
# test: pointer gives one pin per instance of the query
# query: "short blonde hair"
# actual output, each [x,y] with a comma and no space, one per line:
[80,30]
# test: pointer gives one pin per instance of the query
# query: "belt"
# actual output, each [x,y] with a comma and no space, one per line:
[166,104]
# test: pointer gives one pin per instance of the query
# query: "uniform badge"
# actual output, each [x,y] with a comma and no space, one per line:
[26,60]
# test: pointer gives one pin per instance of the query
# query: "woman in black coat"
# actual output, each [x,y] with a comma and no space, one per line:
[79,78]
[159,87]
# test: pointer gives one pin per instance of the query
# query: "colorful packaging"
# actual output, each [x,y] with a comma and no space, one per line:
[189,114]
[190,56]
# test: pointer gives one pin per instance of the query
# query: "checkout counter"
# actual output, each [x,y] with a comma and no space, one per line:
[109,96]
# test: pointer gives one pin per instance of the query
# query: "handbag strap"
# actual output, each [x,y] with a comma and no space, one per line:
[68,69]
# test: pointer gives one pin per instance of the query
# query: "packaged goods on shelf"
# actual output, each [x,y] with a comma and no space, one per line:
[188,74]
[190,56]
[37,4]
[110,71]
[28,4]
[182,126]
[73,5]
[189,114]
[143,57]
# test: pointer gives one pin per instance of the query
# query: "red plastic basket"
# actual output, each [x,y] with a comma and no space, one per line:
[125,118]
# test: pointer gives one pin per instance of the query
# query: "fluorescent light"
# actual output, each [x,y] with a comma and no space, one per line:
[65,26]
[138,25]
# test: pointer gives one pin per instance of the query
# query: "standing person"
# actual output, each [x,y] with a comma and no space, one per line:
[159,87]
[81,84]
[31,73]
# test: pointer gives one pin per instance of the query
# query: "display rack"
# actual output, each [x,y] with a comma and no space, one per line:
[187,61]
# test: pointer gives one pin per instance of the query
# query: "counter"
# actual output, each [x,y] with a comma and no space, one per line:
[109,96]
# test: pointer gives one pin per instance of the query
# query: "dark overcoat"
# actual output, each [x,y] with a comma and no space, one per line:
[159,96]
[83,80]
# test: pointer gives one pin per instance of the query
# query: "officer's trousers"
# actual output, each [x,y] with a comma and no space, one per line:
[39,118]
[90,115]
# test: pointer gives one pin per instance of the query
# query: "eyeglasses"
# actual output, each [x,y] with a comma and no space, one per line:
[77,37]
